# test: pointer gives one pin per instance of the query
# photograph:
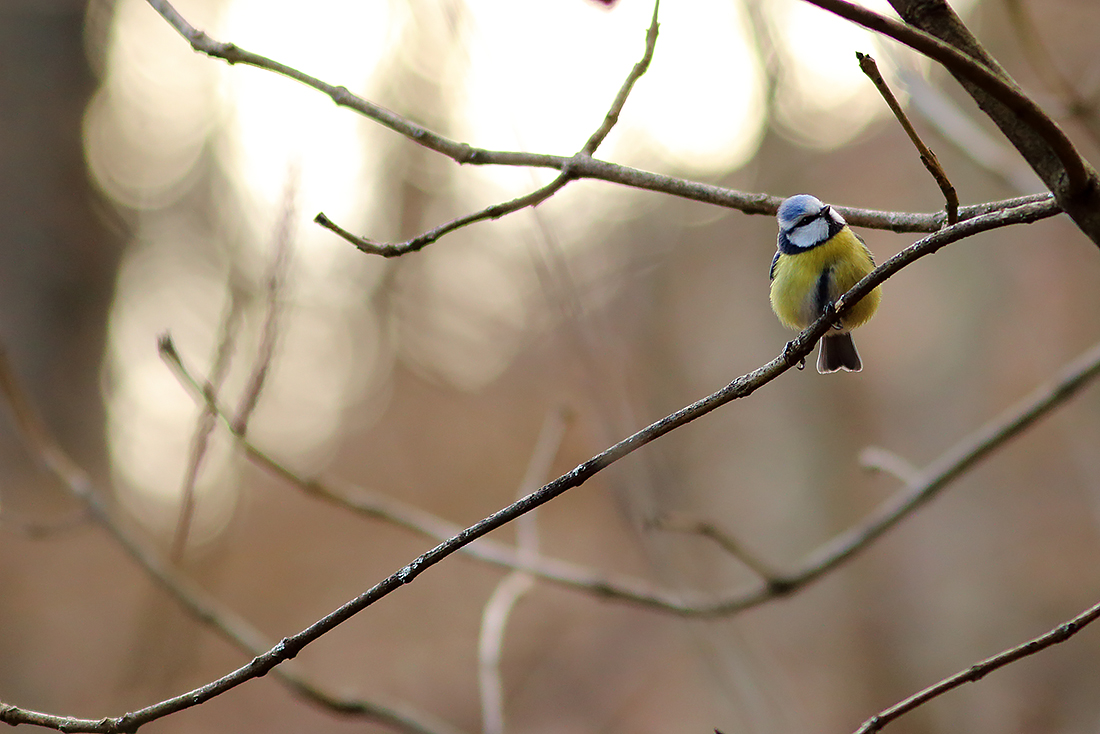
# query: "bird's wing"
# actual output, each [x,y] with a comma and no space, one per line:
[865,248]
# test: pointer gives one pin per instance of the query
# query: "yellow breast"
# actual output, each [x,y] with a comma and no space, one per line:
[796,287]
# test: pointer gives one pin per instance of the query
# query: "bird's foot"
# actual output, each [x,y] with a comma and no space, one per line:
[789,358]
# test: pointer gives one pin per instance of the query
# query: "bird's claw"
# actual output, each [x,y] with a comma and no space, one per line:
[789,358]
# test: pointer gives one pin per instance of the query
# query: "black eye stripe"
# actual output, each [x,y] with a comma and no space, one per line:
[803,221]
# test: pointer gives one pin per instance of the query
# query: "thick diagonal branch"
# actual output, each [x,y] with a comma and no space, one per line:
[937,32]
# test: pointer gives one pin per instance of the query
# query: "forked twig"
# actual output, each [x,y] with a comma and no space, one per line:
[494,211]
[578,166]
[534,198]
[681,523]
[227,339]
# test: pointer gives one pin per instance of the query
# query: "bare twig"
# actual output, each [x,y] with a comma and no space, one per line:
[682,523]
[534,198]
[273,290]
[227,339]
[203,607]
[959,128]
[927,44]
[879,459]
[233,54]
[927,157]
[955,461]
[979,670]
[494,211]
[378,506]
[632,78]
[578,166]
[494,620]
[205,423]
[922,486]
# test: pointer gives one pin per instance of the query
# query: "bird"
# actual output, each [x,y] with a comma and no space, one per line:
[817,260]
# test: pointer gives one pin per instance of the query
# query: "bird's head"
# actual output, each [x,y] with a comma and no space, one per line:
[806,222]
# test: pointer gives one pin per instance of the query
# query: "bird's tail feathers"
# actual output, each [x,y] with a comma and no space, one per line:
[838,352]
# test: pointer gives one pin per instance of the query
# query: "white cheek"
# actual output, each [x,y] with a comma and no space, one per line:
[812,234]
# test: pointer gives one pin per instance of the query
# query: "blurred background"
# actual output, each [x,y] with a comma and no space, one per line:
[145,188]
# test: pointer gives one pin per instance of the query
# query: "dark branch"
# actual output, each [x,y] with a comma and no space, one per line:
[1073,181]
[998,86]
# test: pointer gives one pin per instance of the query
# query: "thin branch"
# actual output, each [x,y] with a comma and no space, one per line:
[828,557]
[979,670]
[743,386]
[739,388]
[927,157]
[203,607]
[577,166]
[681,523]
[205,424]
[875,458]
[953,463]
[927,44]
[378,506]
[921,486]
[494,620]
[495,211]
[273,290]
[227,340]
[960,129]
[534,198]
[640,68]
[1077,172]
[817,563]
[1073,181]
[233,54]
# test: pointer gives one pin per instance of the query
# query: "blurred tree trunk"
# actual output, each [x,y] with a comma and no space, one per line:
[57,256]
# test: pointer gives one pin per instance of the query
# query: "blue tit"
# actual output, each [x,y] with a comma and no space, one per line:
[818,260]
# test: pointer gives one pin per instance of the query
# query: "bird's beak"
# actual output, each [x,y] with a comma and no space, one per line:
[825,210]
